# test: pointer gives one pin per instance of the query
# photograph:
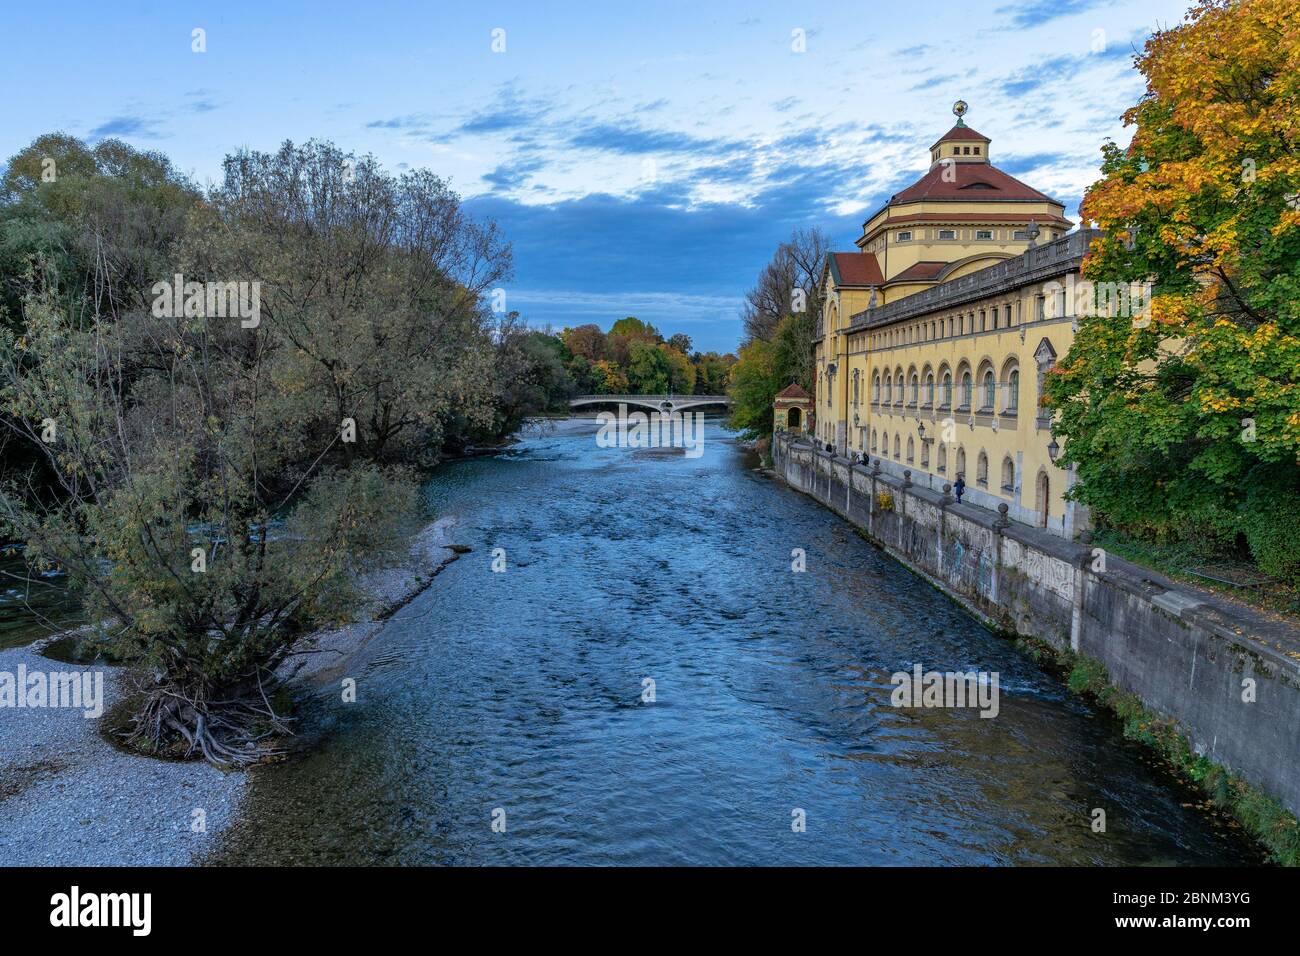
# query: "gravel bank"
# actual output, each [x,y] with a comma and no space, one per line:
[69,798]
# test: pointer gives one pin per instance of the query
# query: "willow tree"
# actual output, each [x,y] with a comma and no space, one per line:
[377,293]
[190,560]
[1185,422]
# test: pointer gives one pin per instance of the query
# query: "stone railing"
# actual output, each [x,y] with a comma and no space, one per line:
[1036,264]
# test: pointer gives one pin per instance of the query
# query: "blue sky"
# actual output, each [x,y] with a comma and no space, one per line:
[644,158]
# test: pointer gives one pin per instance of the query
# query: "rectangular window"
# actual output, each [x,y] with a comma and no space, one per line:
[983,233]
[1020,234]
[977,150]
[904,236]
[947,234]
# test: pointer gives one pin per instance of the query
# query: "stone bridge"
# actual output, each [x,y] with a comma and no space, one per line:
[657,403]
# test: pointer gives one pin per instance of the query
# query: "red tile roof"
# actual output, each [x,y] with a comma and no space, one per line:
[962,131]
[855,269]
[920,272]
[792,391]
[971,182]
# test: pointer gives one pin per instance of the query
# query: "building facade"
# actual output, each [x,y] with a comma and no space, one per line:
[936,335]
[792,410]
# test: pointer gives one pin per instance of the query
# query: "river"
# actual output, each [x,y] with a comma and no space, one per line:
[516,696]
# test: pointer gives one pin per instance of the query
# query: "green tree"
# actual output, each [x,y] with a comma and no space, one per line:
[755,380]
[1185,422]
[648,369]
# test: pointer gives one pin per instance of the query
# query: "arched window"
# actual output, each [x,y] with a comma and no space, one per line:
[916,390]
[943,459]
[873,439]
[966,390]
[990,391]
[945,394]
[982,469]
[1013,391]
[875,388]
[929,390]
[855,388]
[888,388]
[961,462]
[1008,475]
[925,454]
[898,377]
[911,449]
[897,446]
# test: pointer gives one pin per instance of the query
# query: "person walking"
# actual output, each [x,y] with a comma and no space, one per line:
[959,487]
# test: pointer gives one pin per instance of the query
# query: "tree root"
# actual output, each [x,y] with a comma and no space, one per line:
[226,732]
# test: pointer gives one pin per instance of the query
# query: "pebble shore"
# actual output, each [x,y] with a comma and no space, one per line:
[69,798]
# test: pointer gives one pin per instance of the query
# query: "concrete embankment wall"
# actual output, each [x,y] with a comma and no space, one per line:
[1187,660]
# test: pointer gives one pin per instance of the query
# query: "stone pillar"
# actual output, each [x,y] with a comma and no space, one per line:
[998,527]
[1080,582]
[943,520]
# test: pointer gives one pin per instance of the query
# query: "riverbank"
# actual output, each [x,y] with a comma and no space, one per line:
[1213,687]
[68,797]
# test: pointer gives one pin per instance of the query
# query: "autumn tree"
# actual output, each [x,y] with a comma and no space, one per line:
[1185,422]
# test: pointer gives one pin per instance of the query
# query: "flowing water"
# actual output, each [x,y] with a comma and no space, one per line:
[519,694]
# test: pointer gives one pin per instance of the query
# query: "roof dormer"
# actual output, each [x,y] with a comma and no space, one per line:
[961,144]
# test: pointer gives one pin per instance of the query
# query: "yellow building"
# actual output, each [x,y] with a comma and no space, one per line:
[936,334]
[791,410]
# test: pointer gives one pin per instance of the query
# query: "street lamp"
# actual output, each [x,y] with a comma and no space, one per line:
[1053,449]
[921,431]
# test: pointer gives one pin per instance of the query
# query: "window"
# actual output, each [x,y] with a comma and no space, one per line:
[966,390]
[1040,308]
[983,233]
[873,439]
[983,321]
[965,150]
[943,459]
[897,447]
[916,389]
[855,388]
[929,390]
[1013,391]
[982,469]
[1020,234]
[875,389]
[911,450]
[961,462]
[1008,475]
[990,391]
[976,149]
[904,237]
[1006,313]
[888,388]
[947,234]
[925,454]
[946,394]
